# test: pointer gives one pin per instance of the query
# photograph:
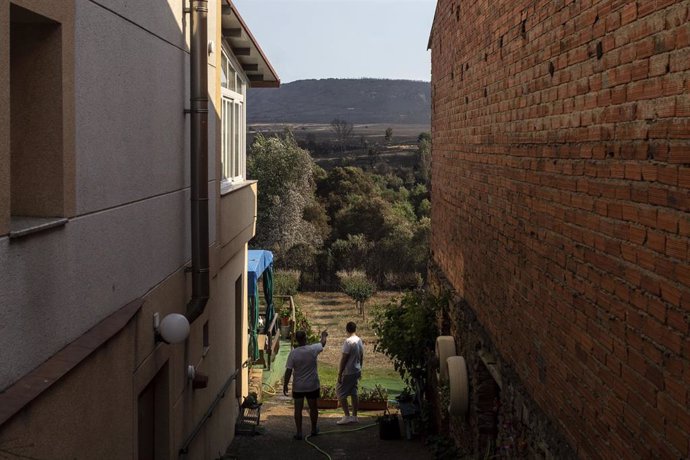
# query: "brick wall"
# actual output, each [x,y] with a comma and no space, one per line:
[561,206]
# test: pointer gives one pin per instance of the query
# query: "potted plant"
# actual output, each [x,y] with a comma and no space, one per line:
[285,313]
[328,399]
[373,399]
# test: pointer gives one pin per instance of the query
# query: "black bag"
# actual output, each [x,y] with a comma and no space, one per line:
[389,427]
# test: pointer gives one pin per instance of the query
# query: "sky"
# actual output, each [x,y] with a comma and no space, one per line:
[343,38]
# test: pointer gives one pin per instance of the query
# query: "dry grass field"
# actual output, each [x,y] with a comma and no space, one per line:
[374,132]
[399,152]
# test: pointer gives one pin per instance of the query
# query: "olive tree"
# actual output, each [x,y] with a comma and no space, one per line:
[285,190]
[358,287]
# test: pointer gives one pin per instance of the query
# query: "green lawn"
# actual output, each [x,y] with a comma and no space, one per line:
[387,378]
[332,311]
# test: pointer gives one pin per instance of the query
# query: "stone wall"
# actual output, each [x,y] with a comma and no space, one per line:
[502,415]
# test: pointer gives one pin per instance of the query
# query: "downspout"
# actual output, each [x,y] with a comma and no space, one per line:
[199,159]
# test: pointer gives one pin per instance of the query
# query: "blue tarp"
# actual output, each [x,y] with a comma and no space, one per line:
[260,263]
[259,260]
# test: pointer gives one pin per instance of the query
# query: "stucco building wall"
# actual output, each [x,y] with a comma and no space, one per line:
[126,239]
[103,389]
[561,193]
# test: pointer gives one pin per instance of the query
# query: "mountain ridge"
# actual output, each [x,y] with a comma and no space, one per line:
[362,100]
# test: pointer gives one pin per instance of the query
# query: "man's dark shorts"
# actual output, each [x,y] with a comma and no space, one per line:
[306,394]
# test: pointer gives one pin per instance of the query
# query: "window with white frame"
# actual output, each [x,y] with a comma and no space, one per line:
[233,121]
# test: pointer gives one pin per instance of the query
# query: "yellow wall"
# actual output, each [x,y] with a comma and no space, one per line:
[92,412]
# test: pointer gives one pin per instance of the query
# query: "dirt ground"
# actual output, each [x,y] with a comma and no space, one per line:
[278,427]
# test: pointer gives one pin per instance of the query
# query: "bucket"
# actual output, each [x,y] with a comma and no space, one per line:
[389,428]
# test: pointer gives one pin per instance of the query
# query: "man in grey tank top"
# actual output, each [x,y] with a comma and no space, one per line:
[349,373]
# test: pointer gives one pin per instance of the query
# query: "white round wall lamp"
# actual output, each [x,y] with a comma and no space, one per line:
[458,386]
[445,348]
[174,328]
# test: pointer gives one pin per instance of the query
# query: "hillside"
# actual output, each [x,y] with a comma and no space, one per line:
[355,100]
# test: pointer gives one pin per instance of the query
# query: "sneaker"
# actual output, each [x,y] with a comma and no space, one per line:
[344,421]
[353,419]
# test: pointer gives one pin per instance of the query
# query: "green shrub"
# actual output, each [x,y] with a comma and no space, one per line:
[286,282]
[302,323]
[376,394]
[357,286]
[328,392]
[406,329]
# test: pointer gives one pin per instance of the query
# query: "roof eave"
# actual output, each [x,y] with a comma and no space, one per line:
[272,80]
[431,32]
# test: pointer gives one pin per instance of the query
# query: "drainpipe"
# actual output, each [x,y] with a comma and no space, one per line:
[199,159]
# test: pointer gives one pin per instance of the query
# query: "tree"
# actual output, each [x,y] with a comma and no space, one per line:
[285,190]
[352,252]
[342,130]
[341,184]
[424,160]
[424,136]
[366,215]
[389,134]
[358,287]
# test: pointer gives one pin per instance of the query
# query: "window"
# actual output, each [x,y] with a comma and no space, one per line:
[233,121]
[40,129]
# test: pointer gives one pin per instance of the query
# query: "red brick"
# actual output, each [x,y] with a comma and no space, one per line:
[668,175]
[670,293]
[684,177]
[656,241]
[678,321]
[659,65]
[629,13]
[647,89]
[683,273]
[683,105]
[668,221]
[678,248]
[679,153]
[656,309]
[663,336]
[679,439]
[576,187]
[644,48]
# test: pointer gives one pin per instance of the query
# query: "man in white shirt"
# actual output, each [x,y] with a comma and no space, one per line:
[349,373]
[302,362]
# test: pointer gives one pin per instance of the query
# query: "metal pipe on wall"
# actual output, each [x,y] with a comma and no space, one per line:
[199,159]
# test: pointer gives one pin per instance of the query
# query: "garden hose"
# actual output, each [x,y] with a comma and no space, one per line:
[272,390]
[306,438]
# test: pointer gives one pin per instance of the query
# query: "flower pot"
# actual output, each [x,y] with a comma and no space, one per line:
[284,320]
[327,403]
[285,331]
[373,405]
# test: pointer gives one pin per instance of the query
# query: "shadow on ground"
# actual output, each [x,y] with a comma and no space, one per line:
[278,428]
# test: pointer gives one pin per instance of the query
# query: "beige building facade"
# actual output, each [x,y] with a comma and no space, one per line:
[95,228]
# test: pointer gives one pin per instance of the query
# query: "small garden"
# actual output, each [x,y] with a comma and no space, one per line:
[332,311]
[398,331]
